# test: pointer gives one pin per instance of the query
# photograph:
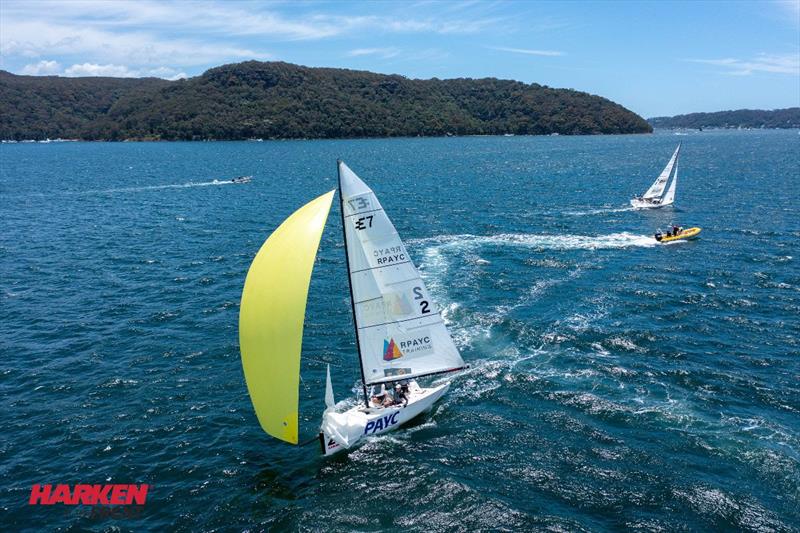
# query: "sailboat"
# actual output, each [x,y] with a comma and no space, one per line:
[655,195]
[399,332]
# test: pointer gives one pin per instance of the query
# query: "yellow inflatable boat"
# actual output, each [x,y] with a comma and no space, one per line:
[684,235]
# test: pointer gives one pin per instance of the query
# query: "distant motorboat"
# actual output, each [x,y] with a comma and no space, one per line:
[655,195]
[242,179]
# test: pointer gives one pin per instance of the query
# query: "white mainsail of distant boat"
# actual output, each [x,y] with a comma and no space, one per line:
[400,334]
[655,195]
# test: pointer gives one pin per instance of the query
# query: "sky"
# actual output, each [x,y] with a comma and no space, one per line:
[654,57]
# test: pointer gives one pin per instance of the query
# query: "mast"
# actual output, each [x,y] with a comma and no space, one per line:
[350,284]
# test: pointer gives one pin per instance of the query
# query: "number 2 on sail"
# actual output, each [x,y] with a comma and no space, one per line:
[423,303]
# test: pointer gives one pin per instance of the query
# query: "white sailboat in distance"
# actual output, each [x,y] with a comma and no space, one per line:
[399,332]
[655,195]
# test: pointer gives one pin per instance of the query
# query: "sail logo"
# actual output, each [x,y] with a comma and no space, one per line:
[416,344]
[391,306]
[406,346]
[359,203]
[390,255]
[391,351]
[396,304]
[85,494]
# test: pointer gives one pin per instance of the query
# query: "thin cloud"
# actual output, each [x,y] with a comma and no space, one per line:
[456,26]
[36,38]
[226,19]
[208,17]
[141,35]
[771,63]
[385,53]
[526,51]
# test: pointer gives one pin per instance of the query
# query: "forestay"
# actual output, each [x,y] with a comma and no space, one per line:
[400,330]
[657,188]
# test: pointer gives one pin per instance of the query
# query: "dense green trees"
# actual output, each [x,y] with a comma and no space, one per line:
[281,100]
[744,118]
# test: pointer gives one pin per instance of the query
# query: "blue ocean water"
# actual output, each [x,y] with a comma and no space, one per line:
[614,383]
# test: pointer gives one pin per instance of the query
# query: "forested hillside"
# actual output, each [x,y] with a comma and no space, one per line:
[281,100]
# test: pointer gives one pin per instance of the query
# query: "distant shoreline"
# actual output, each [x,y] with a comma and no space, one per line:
[787,118]
[285,139]
[655,131]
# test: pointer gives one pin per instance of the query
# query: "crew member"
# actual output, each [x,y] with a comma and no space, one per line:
[401,394]
[382,398]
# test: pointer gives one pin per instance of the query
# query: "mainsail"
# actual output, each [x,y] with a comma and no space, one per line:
[657,188]
[272,313]
[670,196]
[399,329]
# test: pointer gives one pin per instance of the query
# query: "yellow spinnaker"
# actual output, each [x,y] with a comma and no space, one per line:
[272,313]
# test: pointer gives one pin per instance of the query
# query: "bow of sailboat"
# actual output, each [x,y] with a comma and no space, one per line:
[272,313]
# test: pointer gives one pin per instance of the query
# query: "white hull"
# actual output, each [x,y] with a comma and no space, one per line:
[644,204]
[359,422]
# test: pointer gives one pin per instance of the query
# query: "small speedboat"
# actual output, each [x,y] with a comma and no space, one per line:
[683,235]
[242,179]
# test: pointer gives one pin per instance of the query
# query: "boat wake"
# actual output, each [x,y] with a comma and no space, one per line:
[159,187]
[601,211]
[444,255]
[541,242]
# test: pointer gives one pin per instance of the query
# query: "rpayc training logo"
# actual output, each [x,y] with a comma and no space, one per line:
[390,350]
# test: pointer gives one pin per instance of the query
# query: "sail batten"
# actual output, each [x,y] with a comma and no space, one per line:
[272,314]
[400,331]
